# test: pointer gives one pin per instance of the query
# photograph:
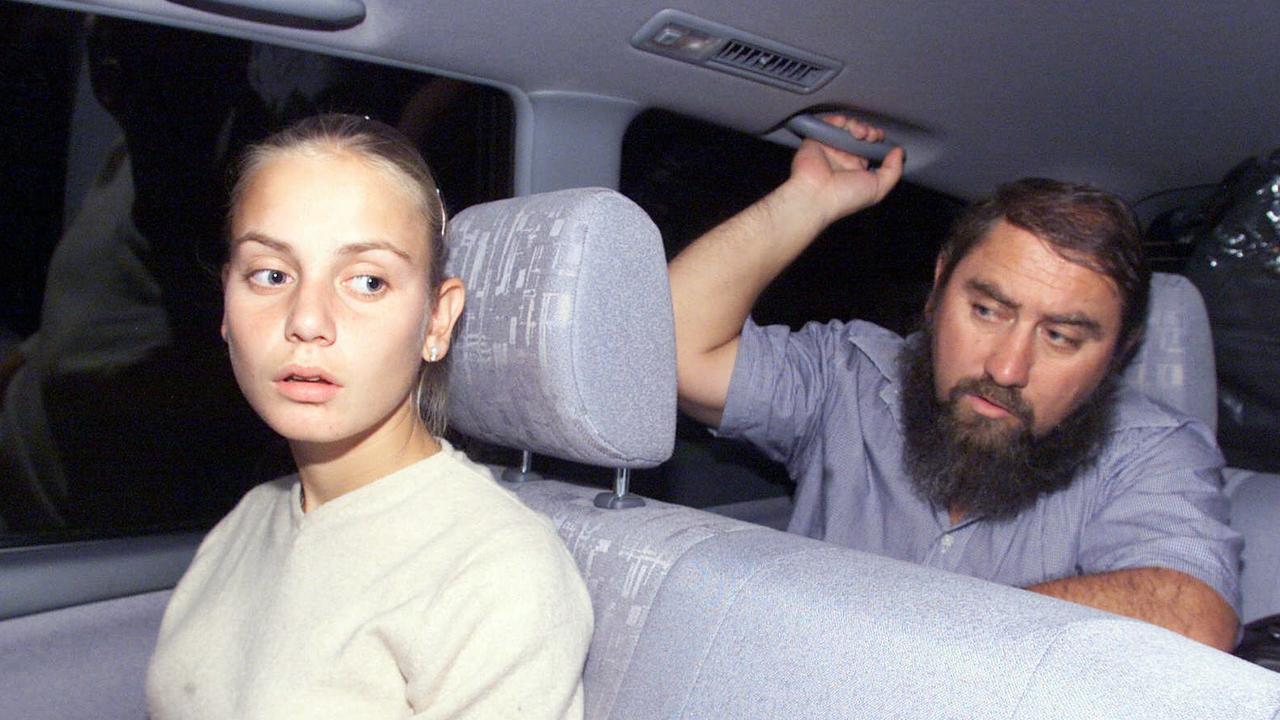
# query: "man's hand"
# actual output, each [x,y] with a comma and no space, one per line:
[1160,596]
[839,183]
[716,280]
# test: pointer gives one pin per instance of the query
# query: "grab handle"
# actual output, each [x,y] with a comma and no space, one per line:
[318,14]
[812,126]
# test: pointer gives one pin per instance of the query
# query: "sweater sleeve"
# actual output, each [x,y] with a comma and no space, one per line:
[507,636]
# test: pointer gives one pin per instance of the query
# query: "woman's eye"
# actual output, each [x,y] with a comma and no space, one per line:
[269,277]
[367,284]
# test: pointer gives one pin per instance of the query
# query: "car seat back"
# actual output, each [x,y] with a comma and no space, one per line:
[701,616]
[1175,364]
[1255,514]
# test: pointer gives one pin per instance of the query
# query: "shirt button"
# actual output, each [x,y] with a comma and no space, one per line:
[947,542]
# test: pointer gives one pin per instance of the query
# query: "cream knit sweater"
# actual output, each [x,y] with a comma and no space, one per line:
[430,593]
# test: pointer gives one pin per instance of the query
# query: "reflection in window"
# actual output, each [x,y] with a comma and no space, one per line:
[120,412]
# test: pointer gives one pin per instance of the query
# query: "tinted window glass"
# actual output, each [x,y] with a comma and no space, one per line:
[120,412]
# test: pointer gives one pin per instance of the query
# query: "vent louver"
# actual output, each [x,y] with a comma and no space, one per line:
[767,63]
[718,47]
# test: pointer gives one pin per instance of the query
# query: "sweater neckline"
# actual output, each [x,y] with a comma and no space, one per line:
[369,499]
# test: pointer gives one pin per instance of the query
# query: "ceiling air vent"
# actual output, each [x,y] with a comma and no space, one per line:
[768,64]
[701,42]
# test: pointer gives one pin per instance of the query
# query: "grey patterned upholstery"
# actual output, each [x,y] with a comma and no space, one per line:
[624,558]
[699,616]
[87,661]
[567,344]
[1175,363]
[1255,512]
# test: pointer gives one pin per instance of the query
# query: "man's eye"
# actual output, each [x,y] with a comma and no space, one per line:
[269,277]
[367,284]
[984,312]
[1061,340]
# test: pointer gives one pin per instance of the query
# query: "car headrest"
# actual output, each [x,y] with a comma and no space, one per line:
[1175,362]
[566,346]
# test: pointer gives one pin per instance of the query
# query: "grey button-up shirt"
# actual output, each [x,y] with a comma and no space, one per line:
[824,401]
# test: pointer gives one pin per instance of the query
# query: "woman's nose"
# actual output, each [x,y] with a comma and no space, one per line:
[311,316]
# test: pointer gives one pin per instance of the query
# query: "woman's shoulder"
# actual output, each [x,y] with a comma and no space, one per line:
[502,525]
[258,504]
[265,497]
[462,485]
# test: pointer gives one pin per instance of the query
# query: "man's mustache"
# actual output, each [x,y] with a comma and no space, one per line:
[1006,397]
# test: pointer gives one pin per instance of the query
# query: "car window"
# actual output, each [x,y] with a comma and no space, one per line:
[120,413]
[876,265]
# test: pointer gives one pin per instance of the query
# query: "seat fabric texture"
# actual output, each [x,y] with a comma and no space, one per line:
[87,661]
[1255,514]
[1175,363]
[566,346]
[1118,669]
[624,557]
[699,616]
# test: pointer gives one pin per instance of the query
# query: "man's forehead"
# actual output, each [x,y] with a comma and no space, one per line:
[1025,268]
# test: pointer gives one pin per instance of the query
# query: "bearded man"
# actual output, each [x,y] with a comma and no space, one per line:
[999,441]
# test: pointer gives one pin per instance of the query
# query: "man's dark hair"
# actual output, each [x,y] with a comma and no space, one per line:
[1083,224]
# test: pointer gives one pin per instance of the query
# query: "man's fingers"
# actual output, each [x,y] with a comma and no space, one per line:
[889,172]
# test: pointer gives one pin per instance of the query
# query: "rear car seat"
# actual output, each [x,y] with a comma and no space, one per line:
[703,616]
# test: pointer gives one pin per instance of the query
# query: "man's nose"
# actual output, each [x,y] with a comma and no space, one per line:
[311,316]
[1009,362]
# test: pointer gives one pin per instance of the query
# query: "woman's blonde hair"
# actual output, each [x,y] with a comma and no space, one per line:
[385,148]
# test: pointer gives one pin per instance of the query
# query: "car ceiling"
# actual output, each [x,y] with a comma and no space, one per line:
[1138,97]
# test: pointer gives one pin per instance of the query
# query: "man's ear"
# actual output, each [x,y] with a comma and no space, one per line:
[931,302]
[447,308]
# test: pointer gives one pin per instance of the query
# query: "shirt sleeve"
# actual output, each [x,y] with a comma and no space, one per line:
[507,637]
[780,384]
[1163,506]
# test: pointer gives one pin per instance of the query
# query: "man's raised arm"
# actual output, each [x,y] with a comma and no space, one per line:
[716,280]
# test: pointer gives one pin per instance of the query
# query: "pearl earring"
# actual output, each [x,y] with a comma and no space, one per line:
[434,354]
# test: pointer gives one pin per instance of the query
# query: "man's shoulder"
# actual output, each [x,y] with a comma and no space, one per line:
[1140,420]
[881,346]
[859,338]
[1135,410]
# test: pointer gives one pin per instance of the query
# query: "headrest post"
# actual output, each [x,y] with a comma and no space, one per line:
[525,473]
[620,498]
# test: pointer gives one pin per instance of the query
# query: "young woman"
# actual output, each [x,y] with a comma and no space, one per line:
[390,577]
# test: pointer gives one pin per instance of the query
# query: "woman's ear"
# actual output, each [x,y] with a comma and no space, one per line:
[449,300]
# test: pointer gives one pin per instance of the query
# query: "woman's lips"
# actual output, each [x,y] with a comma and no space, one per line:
[306,385]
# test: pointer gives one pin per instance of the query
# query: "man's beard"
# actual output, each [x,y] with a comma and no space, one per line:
[983,466]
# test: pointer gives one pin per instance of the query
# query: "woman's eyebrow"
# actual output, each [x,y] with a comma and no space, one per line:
[257,237]
[357,248]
